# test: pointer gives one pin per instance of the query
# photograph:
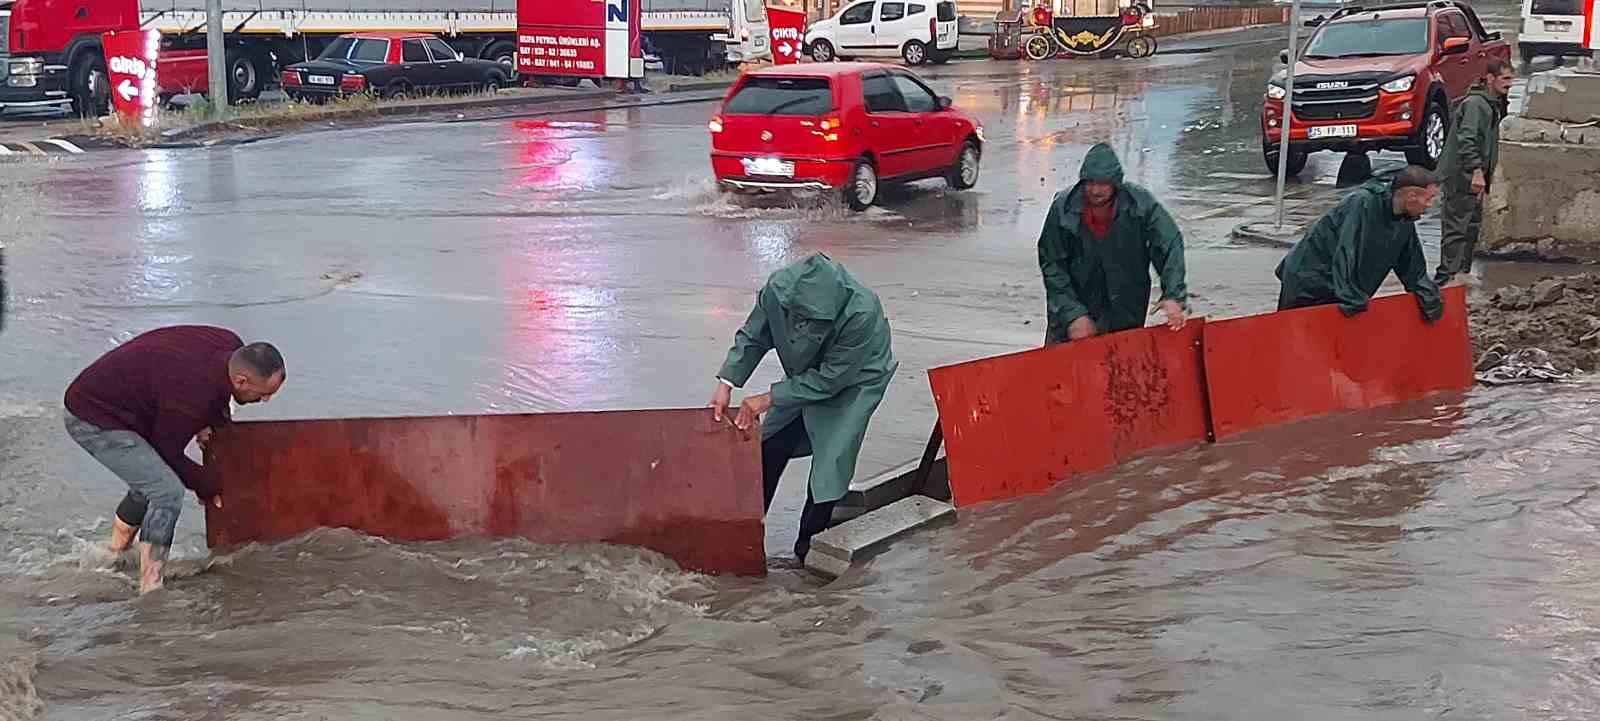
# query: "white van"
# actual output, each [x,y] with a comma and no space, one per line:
[1551,27]
[920,31]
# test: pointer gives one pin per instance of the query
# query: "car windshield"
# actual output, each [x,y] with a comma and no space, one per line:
[337,50]
[781,96]
[1363,38]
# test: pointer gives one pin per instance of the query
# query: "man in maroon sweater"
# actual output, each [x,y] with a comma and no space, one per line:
[136,408]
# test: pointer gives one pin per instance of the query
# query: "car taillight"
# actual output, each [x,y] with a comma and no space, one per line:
[715,125]
[933,28]
[829,129]
[291,77]
[353,83]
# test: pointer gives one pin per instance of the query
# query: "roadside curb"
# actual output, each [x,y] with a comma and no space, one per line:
[1268,234]
[698,86]
[39,148]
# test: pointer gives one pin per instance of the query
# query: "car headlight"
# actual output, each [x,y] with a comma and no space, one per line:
[1400,85]
[1275,91]
[26,66]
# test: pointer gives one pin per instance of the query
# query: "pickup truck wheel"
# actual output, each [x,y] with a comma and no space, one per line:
[822,51]
[1430,138]
[1297,160]
[861,190]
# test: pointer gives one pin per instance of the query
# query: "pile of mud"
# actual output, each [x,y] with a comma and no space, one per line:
[1559,315]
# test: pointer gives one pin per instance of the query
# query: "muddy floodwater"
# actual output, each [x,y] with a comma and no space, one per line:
[1430,560]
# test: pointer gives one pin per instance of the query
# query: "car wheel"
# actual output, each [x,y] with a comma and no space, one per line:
[398,90]
[492,85]
[861,190]
[822,51]
[1297,160]
[915,53]
[964,174]
[1430,138]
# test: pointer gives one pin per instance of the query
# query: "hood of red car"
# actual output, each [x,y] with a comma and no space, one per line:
[1380,64]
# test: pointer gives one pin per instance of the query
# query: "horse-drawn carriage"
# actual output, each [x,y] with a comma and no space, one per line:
[1059,28]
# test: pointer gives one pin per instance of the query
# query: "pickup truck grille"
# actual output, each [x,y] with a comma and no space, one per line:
[1351,101]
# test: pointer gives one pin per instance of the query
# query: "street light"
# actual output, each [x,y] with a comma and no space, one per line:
[1288,102]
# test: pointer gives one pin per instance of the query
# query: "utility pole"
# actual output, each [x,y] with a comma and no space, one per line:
[1288,102]
[216,58]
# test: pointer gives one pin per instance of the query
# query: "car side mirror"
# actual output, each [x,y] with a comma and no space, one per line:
[1455,46]
[460,57]
[945,103]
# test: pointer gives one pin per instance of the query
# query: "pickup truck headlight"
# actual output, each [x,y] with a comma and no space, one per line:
[1399,85]
[1275,91]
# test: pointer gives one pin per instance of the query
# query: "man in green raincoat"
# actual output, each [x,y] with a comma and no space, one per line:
[832,339]
[1466,169]
[1346,255]
[1099,242]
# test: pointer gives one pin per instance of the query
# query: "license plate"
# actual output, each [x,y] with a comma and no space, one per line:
[1556,27]
[320,79]
[768,166]
[1331,131]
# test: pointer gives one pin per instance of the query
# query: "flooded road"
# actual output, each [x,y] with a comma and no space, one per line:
[1428,560]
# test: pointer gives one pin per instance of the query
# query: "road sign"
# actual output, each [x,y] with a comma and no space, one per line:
[131,71]
[787,28]
[579,38]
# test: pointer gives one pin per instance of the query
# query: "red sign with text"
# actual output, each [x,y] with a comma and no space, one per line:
[131,71]
[579,38]
[788,29]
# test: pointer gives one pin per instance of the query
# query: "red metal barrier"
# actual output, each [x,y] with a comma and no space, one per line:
[671,480]
[1278,367]
[1019,423]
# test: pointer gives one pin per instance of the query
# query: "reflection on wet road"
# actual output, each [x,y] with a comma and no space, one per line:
[1424,561]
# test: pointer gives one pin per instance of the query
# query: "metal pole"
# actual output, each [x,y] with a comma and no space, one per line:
[1288,103]
[216,58]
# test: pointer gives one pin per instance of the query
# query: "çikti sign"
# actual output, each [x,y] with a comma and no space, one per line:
[787,28]
[579,38]
[131,71]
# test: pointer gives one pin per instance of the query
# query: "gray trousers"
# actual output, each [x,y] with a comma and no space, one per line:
[1460,219]
[155,494]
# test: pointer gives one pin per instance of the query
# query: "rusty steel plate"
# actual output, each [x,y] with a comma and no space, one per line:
[1020,423]
[670,480]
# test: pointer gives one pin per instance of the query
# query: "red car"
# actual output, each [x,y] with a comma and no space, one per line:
[845,127]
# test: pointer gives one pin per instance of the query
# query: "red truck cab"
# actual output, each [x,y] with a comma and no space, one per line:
[1380,78]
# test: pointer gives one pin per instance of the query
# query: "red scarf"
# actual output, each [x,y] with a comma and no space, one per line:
[1098,219]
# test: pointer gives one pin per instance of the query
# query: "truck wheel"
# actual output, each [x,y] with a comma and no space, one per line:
[822,51]
[1297,160]
[504,53]
[91,87]
[915,53]
[861,189]
[244,77]
[1430,137]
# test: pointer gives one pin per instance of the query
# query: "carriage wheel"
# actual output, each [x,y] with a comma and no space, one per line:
[1141,46]
[1039,47]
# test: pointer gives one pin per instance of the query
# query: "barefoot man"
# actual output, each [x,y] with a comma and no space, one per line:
[136,408]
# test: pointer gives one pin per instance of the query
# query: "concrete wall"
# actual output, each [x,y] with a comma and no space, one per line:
[1545,202]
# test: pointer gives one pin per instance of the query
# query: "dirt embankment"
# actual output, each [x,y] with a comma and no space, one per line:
[1558,315]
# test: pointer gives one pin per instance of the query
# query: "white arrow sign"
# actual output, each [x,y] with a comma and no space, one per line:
[127,89]
[786,49]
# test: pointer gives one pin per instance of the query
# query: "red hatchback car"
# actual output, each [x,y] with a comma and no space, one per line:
[840,126]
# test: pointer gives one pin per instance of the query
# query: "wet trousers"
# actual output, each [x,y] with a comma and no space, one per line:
[155,495]
[1460,220]
[775,454]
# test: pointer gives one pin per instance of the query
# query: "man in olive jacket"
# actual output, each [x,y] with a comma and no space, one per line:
[1099,242]
[1346,255]
[1466,169]
[832,339]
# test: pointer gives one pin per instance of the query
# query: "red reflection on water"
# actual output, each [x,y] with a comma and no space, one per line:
[547,150]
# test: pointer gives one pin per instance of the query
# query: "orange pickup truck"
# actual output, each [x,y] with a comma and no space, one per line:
[1380,78]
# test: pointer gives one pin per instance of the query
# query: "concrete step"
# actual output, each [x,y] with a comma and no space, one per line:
[835,550]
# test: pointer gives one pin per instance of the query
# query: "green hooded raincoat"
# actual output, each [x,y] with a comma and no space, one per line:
[832,339]
[1107,279]
[1346,255]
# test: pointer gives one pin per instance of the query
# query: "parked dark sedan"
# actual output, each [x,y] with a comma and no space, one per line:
[395,64]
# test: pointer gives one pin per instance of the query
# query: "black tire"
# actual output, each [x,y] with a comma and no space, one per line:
[861,188]
[958,176]
[822,52]
[915,53]
[244,76]
[1297,160]
[491,84]
[504,53]
[398,89]
[1431,135]
[91,87]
